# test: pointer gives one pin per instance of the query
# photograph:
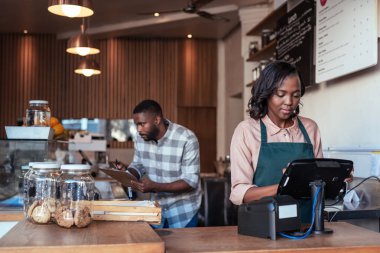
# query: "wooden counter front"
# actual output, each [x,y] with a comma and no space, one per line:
[100,236]
[346,238]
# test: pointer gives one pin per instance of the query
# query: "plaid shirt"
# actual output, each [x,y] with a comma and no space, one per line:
[174,157]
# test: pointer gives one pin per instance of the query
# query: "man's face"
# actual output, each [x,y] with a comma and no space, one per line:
[147,125]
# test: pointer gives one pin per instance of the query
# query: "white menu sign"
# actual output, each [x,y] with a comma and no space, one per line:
[346,37]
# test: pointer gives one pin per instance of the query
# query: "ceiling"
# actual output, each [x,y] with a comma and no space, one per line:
[119,18]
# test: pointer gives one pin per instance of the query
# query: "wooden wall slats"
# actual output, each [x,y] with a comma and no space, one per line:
[197,79]
[202,121]
[179,74]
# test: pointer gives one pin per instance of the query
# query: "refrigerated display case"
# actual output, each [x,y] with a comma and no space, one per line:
[17,153]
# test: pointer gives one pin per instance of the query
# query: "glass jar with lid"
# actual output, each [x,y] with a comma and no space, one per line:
[38,113]
[77,188]
[253,48]
[40,194]
[266,37]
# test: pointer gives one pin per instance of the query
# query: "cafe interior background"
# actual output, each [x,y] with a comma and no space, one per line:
[202,82]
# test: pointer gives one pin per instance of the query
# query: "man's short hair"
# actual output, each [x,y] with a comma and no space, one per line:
[148,105]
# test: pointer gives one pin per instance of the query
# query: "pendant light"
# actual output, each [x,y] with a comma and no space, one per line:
[82,44]
[71,8]
[88,67]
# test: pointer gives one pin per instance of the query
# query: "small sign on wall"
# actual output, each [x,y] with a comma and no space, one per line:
[346,37]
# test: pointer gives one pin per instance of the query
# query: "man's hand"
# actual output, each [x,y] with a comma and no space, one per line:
[144,185]
[118,165]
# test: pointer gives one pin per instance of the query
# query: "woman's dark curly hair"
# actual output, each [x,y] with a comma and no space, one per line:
[270,80]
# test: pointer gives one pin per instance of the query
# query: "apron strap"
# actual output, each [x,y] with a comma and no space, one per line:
[263,132]
[264,137]
[303,130]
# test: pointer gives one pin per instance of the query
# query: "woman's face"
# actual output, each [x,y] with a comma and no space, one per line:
[284,101]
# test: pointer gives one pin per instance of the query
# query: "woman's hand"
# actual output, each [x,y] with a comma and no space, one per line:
[350,178]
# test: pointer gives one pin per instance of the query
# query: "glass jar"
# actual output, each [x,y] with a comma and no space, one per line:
[77,188]
[38,113]
[22,178]
[253,48]
[25,181]
[266,37]
[40,199]
[263,64]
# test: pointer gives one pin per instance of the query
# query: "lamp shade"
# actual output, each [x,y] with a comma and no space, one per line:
[82,44]
[88,67]
[71,8]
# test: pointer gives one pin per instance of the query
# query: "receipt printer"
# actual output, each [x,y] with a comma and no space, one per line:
[268,216]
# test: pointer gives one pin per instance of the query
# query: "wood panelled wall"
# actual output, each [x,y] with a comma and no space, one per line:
[180,74]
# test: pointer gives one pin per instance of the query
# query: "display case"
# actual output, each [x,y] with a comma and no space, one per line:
[17,153]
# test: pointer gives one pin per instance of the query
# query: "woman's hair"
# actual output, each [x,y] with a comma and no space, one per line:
[270,80]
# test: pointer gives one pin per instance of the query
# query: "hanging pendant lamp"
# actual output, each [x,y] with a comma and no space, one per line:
[82,44]
[71,8]
[88,67]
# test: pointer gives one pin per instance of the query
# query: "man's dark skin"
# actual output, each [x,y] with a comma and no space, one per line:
[151,126]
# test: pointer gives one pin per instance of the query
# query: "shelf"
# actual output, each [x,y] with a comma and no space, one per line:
[250,84]
[270,21]
[265,53]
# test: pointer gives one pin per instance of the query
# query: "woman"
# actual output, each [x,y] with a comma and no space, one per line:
[275,135]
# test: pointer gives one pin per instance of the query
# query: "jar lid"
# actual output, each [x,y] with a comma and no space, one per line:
[46,165]
[31,164]
[75,167]
[38,102]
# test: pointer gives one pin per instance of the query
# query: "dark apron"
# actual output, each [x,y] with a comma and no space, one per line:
[275,156]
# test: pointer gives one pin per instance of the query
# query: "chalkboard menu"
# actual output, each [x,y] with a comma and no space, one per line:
[295,37]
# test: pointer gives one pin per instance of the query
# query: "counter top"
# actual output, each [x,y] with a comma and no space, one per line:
[113,237]
[346,238]
[14,215]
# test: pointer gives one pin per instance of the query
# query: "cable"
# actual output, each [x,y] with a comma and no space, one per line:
[308,232]
[336,202]
[340,198]
[334,213]
[365,179]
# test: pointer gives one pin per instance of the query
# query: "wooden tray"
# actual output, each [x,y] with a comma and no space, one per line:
[125,210]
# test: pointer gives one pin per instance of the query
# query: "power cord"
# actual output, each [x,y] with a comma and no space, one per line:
[308,232]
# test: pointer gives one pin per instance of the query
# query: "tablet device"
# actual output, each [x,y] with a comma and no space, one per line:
[299,173]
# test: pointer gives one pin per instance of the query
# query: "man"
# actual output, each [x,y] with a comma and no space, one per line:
[166,162]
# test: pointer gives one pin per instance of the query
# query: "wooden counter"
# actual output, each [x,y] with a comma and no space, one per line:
[11,215]
[346,238]
[98,237]
[117,237]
